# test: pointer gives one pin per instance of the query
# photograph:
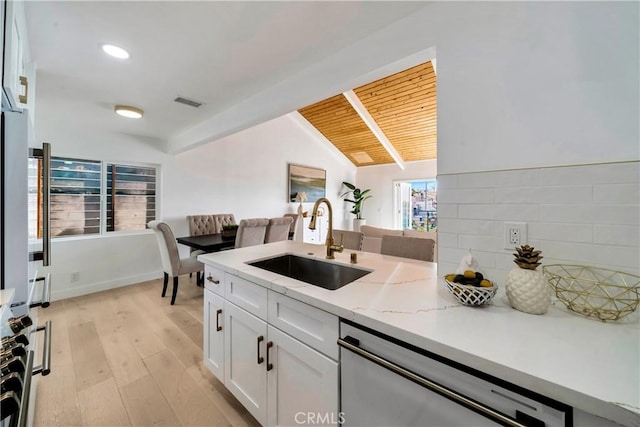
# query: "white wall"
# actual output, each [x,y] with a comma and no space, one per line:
[244,174]
[534,87]
[531,84]
[378,210]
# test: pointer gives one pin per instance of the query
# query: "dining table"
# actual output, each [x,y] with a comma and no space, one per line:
[207,242]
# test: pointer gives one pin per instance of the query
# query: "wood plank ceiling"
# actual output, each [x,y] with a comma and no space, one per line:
[403,105]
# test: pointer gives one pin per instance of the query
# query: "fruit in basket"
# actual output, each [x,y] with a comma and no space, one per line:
[469,278]
[525,286]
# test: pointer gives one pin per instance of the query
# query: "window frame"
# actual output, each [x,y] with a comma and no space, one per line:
[104,163]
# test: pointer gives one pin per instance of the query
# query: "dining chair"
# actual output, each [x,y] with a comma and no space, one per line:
[294,232]
[198,226]
[221,220]
[251,232]
[278,229]
[348,239]
[407,247]
[172,264]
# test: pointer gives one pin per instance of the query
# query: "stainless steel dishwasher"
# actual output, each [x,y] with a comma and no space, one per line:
[386,382]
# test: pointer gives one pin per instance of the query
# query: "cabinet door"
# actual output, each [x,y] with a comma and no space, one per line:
[302,384]
[214,334]
[245,345]
[13,61]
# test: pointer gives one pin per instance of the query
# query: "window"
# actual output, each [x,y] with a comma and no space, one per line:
[75,196]
[416,205]
[78,189]
[131,197]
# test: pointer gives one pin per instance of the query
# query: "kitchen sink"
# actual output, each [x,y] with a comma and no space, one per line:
[315,272]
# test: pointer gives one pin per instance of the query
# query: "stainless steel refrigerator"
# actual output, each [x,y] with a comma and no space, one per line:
[21,256]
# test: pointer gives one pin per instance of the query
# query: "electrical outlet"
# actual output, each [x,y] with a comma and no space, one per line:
[75,276]
[515,234]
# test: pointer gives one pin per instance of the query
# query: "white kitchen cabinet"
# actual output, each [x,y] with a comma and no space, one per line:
[244,364]
[214,333]
[319,235]
[302,384]
[277,377]
[214,280]
[14,80]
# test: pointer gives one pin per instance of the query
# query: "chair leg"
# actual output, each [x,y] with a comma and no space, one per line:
[197,278]
[175,290]
[164,285]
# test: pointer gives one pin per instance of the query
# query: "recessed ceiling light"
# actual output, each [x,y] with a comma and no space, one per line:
[130,112]
[115,51]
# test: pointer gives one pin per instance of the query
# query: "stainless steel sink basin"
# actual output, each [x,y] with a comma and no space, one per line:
[319,273]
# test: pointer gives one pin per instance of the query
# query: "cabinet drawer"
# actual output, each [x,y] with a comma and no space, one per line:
[214,280]
[310,325]
[247,295]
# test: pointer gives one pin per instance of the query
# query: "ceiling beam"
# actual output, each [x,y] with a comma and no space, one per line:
[373,126]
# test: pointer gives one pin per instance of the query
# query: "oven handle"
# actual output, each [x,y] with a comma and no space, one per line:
[45,367]
[430,385]
[45,299]
[26,391]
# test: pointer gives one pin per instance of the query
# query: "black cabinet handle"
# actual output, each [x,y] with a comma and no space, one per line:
[218,313]
[212,280]
[269,365]
[260,358]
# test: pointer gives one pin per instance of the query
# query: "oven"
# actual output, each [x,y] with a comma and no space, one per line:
[386,382]
[25,353]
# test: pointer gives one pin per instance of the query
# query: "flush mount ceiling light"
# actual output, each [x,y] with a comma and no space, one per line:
[130,112]
[115,51]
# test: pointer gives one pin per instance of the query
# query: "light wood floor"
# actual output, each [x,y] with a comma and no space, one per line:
[127,357]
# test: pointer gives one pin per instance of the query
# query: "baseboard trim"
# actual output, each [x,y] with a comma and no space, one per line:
[91,288]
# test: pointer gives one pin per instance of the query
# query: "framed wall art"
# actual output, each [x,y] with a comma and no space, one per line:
[312,181]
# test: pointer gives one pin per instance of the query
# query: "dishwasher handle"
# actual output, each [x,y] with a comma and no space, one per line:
[351,344]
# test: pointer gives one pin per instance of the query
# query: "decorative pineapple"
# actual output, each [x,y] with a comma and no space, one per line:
[525,286]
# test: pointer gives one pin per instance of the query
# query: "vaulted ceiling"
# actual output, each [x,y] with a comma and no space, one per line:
[402,107]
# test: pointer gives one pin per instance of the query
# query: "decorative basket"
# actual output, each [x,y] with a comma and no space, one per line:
[594,292]
[471,295]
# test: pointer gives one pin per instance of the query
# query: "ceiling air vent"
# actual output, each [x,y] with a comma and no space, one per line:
[189,102]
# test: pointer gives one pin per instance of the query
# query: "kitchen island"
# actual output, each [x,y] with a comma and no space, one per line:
[587,364]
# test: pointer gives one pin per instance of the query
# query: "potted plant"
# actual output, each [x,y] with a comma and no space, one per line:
[357,197]
[229,231]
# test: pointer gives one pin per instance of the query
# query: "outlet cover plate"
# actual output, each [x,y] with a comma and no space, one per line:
[515,234]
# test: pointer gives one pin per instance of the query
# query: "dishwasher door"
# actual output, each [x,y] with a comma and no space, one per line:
[388,383]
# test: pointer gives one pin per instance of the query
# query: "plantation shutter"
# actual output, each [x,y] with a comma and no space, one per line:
[131,197]
[75,196]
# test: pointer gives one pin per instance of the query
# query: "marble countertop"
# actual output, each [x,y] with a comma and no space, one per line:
[584,363]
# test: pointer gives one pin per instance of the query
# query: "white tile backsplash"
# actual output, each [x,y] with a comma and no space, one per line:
[512,178]
[560,231]
[627,194]
[482,195]
[475,211]
[608,173]
[585,214]
[446,210]
[624,235]
[547,194]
